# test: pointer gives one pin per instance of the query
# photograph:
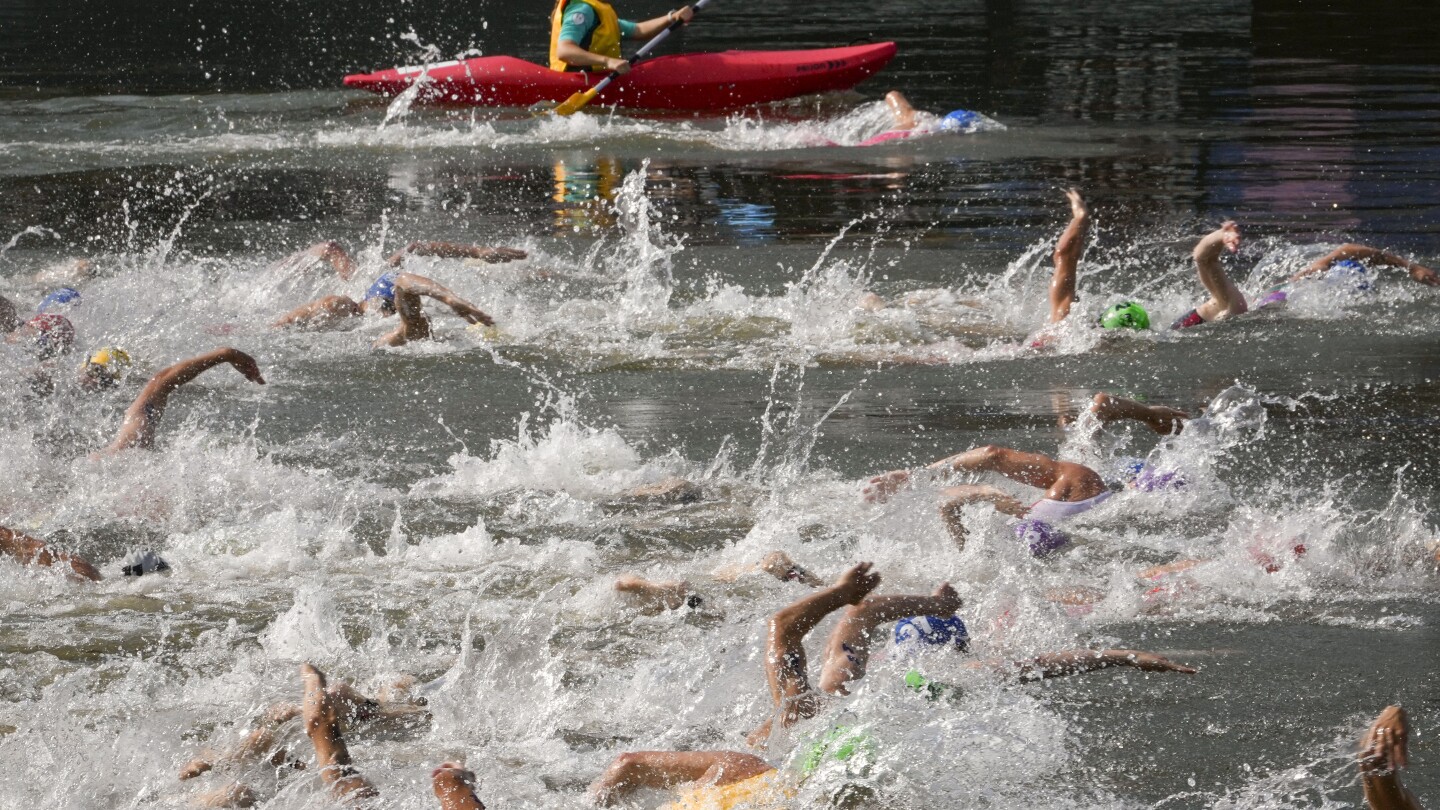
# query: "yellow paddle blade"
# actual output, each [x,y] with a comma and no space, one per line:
[575,103]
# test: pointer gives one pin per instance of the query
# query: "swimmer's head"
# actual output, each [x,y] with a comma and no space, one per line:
[61,299]
[842,744]
[1040,537]
[50,335]
[382,294]
[1150,479]
[1350,273]
[959,121]
[105,367]
[141,562]
[1125,315]
[932,631]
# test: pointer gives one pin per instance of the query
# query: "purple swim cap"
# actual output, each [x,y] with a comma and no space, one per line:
[1153,480]
[1042,538]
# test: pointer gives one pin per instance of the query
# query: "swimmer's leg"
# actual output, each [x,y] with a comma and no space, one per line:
[1108,408]
[1383,754]
[321,711]
[667,769]
[655,597]
[455,787]
[1067,257]
[231,795]
[785,664]
[901,110]
[848,651]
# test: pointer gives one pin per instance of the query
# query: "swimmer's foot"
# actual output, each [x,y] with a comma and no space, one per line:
[654,597]
[881,487]
[321,711]
[870,302]
[455,787]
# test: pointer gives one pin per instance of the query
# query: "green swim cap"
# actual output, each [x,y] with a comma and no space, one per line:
[931,689]
[1125,315]
[840,744]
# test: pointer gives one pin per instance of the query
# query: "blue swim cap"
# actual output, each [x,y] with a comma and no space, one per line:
[935,631]
[384,289]
[1042,538]
[959,120]
[1350,272]
[64,295]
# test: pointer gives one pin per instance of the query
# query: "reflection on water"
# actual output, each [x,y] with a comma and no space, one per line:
[585,194]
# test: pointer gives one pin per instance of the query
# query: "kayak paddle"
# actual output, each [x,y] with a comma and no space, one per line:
[577,102]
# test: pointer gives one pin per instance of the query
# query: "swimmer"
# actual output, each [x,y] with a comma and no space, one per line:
[263,743]
[142,418]
[333,254]
[1383,754]
[1366,255]
[28,550]
[47,335]
[1226,300]
[652,598]
[390,294]
[1062,293]
[1070,489]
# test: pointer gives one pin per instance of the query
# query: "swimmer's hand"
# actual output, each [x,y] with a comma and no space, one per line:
[857,583]
[246,365]
[881,487]
[1230,235]
[472,314]
[1383,746]
[1425,275]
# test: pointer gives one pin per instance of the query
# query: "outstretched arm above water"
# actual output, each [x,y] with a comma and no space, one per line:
[1226,300]
[1375,256]
[1067,257]
[1076,662]
[1383,755]
[455,250]
[143,415]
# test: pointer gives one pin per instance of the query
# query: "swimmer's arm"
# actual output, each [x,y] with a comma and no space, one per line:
[453,250]
[31,551]
[1212,275]
[1365,253]
[331,253]
[319,312]
[420,285]
[138,429]
[1075,662]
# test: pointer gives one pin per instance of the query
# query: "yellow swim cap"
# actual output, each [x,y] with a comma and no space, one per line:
[112,361]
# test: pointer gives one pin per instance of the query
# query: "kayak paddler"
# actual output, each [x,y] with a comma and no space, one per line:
[586,34]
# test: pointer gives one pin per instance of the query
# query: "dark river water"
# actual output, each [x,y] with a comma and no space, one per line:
[457,509]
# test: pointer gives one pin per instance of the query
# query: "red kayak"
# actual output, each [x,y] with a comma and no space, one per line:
[691,81]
